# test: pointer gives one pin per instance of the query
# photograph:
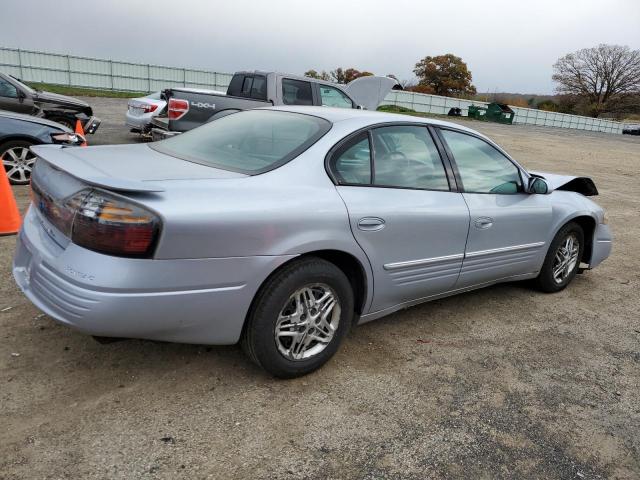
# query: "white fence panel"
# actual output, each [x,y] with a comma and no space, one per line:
[73,70]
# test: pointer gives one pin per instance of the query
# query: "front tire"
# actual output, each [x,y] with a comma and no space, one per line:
[562,260]
[18,161]
[299,318]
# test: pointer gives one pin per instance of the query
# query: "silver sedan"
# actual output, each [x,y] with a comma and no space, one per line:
[282,228]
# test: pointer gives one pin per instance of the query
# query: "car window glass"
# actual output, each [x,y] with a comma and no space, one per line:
[259,88]
[154,96]
[7,90]
[351,163]
[251,142]
[406,156]
[296,92]
[246,86]
[333,97]
[482,168]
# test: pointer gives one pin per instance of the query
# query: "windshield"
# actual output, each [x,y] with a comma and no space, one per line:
[249,142]
[22,85]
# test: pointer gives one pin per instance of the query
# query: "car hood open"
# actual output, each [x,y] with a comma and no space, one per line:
[132,168]
[582,185]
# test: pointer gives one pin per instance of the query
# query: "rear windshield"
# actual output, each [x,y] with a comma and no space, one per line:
[250,142]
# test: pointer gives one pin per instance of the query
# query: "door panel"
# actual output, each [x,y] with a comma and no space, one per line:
[507,236]
[414,239]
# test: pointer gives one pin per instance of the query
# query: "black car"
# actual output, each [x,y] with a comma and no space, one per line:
[17,97]
[19,132]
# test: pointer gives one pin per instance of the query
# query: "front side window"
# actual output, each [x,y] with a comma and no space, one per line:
[406,156]
[296,92]
[250,142]
[482,168]
[351,163]
[334,97]
[7,90]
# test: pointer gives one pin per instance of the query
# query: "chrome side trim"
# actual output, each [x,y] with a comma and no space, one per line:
[515,248]
[422,262]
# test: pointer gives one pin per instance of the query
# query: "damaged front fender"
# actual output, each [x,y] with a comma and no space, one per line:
[583,185]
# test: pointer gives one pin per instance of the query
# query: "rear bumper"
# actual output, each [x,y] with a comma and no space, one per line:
[182,300]
[160,134]
[141,123]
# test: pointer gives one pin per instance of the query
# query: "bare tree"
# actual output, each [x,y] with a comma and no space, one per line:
[602,76]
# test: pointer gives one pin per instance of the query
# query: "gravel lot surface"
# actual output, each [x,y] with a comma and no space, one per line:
[504,382]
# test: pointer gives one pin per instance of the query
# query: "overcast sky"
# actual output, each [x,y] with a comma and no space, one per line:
[509,45]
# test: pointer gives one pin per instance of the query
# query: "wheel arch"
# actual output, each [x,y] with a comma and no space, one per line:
[588,224]
[348,263]
[20,138]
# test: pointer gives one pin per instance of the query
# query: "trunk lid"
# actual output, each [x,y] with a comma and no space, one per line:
[129,168]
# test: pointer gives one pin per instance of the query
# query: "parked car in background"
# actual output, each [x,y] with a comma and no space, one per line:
[293,224]
[190,108]
[141,110]
[632,129]
[17,97]
[20,132]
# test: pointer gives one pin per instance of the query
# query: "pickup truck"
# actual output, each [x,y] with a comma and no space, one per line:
[190,108]
[17,97]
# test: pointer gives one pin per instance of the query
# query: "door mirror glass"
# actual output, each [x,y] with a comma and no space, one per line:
[538,185]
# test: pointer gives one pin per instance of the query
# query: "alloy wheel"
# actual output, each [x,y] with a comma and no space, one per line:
[566,258]
[18,164]
[307,322]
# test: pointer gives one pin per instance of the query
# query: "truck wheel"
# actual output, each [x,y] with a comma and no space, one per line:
[299,318]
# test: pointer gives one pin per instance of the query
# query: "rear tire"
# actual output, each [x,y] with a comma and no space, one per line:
[563,259]
[18,161]
[299,318]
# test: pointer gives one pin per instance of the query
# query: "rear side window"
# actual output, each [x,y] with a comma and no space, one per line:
[248,86]
[333,97]
[296,92]
[250,142]
[351,163]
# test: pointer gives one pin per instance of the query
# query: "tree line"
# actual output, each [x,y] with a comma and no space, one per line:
[603,80]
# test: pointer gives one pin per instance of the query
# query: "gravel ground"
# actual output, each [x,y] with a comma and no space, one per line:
[503,382]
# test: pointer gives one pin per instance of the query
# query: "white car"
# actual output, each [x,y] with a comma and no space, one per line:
[141,111]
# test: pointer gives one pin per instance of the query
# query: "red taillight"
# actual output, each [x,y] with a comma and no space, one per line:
[101,222]
[150,107]
[115,226]
[177,108]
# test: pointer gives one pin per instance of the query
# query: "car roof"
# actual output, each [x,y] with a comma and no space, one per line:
[366,117]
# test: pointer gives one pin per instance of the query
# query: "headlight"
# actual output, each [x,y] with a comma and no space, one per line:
[67,138]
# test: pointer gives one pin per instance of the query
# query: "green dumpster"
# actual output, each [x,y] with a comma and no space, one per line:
[494,112]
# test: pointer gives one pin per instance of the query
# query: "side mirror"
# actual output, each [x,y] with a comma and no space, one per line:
[21,96]
[538,185]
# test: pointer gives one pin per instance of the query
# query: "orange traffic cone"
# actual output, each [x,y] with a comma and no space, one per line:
[10,219]
[80,131]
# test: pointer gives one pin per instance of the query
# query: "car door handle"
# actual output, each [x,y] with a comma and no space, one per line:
[371,224]
[483,223]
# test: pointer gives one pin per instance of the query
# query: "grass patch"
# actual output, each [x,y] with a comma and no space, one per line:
[84,92]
